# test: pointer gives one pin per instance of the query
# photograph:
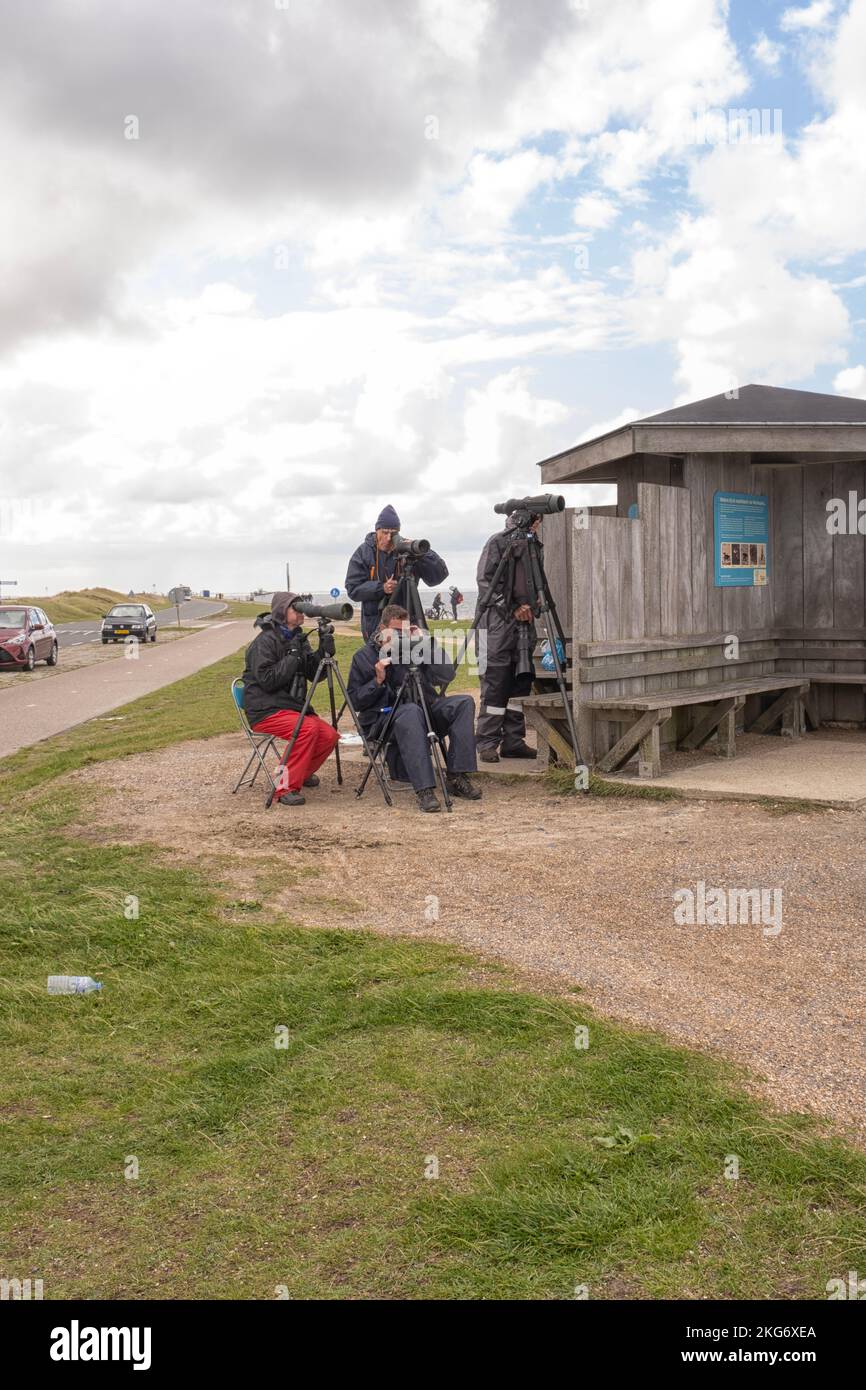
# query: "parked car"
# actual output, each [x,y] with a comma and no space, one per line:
[26,636]
[128,620]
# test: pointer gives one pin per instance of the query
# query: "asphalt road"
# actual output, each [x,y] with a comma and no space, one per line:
[74,634]
[33,711]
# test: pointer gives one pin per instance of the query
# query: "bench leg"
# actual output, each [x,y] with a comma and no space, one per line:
[649,758]
[541,739]
[708,723]
[765,721]
[625,747]
[792,720]
[810,708]
[728,733]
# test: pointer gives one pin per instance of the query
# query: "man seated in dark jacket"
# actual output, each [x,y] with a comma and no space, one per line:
[375,571]
[377,673]
[280,661]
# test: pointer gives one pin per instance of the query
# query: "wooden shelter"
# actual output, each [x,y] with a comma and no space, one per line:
[727,586]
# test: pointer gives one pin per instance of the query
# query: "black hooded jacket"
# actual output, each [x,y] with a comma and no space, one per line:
[277,670]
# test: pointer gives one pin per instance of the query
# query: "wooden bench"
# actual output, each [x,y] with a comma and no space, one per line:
[724,700]
[671,709]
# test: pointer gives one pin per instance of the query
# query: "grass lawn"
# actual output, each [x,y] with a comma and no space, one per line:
[302,1166]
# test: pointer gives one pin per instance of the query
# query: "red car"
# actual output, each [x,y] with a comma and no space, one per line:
[26,636]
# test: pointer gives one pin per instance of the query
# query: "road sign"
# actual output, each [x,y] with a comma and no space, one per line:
[335,593]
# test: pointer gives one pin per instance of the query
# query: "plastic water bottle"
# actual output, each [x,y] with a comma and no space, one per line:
[547,660]
[72,984]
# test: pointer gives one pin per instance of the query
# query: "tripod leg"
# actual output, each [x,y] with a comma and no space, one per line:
[294,738]
[435,744]
[487,602]
[334,721]
[372,765]
[553,630]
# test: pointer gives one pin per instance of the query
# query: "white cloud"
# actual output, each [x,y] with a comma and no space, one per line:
[814,16]
[594,210]
[851,381]
[767,53]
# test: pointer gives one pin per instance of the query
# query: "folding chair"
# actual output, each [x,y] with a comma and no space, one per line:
[261,744]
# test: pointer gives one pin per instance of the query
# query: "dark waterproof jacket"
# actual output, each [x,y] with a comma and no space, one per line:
[368,569]
[511,591]
[371,700]
[277,670]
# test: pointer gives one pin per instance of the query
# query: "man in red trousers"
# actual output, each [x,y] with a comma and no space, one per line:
[280,661]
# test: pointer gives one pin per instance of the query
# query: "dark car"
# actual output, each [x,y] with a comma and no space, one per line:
[26,636]
[128,620]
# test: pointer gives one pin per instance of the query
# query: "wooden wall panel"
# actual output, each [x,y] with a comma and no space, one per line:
[849,603]
[556,534]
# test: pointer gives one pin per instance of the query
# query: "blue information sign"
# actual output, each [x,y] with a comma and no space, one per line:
[741,528]
[335,593]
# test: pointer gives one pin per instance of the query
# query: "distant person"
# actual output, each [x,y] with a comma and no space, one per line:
[279,663]
[456,599]
[374,572]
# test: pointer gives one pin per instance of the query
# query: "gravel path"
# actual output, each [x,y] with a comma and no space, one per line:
[580,890]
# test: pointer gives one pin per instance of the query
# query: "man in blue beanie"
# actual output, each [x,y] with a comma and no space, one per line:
[375,572]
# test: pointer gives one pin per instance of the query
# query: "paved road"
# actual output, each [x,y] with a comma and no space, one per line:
[74,634]
[30,711]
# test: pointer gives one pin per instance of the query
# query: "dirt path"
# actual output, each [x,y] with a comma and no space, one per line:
[580,890]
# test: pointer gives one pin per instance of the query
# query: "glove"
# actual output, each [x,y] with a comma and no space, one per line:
[327,647]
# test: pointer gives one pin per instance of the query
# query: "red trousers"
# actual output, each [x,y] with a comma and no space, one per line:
[316,741]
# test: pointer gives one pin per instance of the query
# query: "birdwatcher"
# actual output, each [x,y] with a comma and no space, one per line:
[375,570]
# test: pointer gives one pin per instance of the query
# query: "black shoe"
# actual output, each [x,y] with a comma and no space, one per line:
[312,780]
[292,799]
[460,785]
[427,800]
[488,755]
[522,750]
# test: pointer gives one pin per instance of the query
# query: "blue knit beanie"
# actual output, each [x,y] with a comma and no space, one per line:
[388,518]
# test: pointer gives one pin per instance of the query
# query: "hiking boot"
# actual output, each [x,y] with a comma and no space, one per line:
[312,780]
[488,755]
[427,800]
[292,799]
[520,750]
[461,785]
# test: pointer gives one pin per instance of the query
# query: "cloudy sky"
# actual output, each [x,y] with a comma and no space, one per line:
[267,264]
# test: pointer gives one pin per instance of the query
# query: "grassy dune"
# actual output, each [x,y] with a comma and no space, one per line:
[77,605]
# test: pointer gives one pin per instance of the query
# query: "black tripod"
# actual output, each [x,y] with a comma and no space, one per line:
[406,593]
[411,688]
[329,671]
[522,544]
